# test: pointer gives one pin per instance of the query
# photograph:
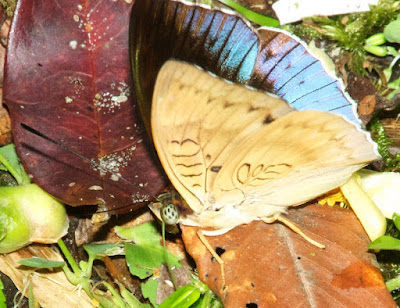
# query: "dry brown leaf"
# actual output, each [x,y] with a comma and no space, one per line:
[5,122]
[268,265]
[50,288]
[370,101]
[5,126]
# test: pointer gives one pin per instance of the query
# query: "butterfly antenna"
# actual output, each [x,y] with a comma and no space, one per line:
[91,161]
[288,223]
[166,257]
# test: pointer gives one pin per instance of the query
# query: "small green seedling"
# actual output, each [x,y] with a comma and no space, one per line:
[20,216]
[81,273]
[375,45]
[196,294]
[146,254]
[389,243]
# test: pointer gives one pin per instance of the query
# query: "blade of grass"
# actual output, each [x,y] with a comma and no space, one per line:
[260,19]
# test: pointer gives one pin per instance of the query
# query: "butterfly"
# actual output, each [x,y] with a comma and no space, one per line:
[236,154]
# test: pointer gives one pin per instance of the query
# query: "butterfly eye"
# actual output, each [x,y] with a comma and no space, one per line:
[169,214]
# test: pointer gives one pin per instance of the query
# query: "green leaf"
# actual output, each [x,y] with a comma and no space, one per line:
[149,290]
[106,301]
[392,31]
[98,251]
[10,153]
[143,258]
[144,233]
[396,220]
[147,253]
[385,243]
[41,263]
[129,298]
[10,162]
[182,298]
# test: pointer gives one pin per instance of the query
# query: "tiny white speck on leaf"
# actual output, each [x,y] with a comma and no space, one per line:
[68,100]
[73,44]
[114,177]
[95,187]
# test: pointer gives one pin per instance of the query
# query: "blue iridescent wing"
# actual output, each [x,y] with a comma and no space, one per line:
[225,44]
[285,67]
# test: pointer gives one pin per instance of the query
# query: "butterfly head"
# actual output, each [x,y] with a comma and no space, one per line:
[169,213]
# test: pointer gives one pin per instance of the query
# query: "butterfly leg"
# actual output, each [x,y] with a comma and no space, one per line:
[214,254]
[296,229]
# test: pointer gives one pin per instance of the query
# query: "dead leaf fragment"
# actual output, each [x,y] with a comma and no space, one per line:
[369,99]
[271,266]
[51,289]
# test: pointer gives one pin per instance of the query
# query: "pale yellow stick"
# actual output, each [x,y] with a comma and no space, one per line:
[366,210]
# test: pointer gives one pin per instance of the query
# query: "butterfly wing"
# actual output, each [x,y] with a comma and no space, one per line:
[293,160]
[197,120]
[236,154]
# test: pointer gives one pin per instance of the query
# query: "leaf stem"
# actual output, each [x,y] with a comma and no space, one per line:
[17,175]
[117,299]
[166,256]
[69,257]
[77,277]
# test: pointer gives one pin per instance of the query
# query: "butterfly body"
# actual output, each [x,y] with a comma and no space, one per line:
[237,155]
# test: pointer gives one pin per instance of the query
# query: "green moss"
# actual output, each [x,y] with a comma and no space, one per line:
[9,6]
[302,30]
[350,31]
[392,162]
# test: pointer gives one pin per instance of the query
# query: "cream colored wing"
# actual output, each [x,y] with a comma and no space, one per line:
[293,160]
[197,122]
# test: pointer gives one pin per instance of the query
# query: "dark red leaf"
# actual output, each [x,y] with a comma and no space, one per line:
[68,77]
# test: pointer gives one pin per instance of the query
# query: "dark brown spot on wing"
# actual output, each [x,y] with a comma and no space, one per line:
[215,168]
[191,175]
[190,166]
[252,108]
[268,119]
[227,104]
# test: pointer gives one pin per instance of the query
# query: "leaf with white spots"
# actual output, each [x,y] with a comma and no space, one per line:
[78,92]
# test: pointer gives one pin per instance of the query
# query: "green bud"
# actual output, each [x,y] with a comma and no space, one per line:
[29,214]
[376,50]
[376,39]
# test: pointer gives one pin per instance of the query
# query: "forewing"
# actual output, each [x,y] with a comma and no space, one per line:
[198,120]
[294,159]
